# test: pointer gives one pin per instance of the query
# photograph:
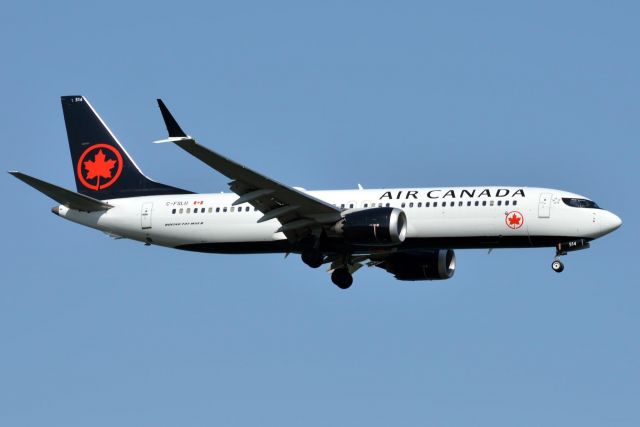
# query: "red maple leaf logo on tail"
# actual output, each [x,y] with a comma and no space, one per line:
[99,173]
[99,167]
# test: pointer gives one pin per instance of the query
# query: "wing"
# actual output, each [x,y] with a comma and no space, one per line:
[298,212]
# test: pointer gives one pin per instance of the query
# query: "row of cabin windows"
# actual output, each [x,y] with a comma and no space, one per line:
[442,204]
[351,205]
[210,210]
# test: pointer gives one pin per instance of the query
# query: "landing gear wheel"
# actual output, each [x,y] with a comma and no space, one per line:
[342,278]
[313,259]
[557,266]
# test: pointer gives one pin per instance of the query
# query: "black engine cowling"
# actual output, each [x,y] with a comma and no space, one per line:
[439,264]
[375,226]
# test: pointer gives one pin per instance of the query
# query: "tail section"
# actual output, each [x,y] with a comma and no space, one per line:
[101,166]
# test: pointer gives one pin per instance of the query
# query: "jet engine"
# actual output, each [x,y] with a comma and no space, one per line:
[375,227]
[439,264]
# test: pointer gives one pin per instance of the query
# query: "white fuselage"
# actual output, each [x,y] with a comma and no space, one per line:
[463,217]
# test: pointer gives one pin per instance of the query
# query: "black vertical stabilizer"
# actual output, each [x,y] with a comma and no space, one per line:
[101,166]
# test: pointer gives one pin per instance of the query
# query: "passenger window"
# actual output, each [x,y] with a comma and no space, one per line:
[342,206]
[435,204]
[460,204]
[188,210]
[491,203]
[388,204]
[379,205]
[484,203]
[477,203]
[173,211]
[411,204]
[247,209]
[202,210]
[224,209]
[469,203]
[210,210]
[506,203]
[427,204]
[419,204]
[515,202]
[217,209]
[180,210]
[452,204]
[351,206]
[402,205]
[499,202]
[366,205]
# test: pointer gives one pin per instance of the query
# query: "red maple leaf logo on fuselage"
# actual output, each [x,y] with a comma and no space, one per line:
[514,220]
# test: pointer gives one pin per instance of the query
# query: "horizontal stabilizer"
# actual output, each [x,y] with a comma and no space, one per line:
[63,196]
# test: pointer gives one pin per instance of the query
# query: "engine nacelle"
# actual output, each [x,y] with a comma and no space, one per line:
[439,264]
[375,226]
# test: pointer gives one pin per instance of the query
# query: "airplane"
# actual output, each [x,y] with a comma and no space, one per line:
[411,233]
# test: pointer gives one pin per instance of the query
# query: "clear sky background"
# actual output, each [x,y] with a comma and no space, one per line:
[322,95]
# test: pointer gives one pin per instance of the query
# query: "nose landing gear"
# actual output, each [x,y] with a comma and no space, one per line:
[557,266]
[564,248]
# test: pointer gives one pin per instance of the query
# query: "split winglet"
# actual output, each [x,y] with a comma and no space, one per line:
[174,129]
[176,134]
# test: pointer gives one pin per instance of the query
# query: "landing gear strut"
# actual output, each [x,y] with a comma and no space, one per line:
[342,278]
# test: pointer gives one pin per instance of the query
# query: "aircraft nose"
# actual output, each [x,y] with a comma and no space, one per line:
[611,222]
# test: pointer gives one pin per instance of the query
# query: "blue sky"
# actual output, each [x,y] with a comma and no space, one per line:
[323,95]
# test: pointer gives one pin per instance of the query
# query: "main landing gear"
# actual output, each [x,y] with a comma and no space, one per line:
[312,258]
[342,267]
[342,278]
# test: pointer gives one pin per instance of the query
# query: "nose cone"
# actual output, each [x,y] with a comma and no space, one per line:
[611,222]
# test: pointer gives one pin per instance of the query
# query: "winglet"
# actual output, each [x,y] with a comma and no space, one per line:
[172,125]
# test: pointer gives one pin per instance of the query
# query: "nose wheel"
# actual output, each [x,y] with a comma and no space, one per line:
[557,266]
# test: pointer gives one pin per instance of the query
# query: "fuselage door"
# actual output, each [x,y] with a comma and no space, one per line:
[145,215]
[544,207]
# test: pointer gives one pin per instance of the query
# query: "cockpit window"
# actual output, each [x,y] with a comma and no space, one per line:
[580,203]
